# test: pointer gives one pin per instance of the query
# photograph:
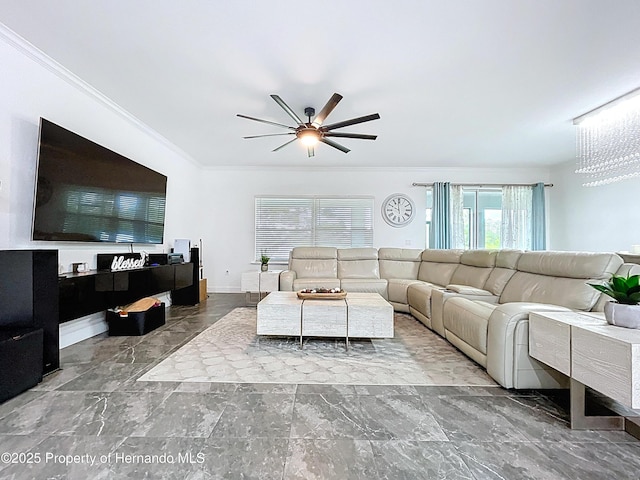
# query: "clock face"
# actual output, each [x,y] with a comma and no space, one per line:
[398,210]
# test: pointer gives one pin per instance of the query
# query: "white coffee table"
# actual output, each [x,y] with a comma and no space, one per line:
[360,315]
[280,313]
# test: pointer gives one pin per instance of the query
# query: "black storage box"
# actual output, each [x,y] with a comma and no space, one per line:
[136,323]
[21,353]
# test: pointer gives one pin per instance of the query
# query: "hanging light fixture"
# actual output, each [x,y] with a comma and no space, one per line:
[608,141]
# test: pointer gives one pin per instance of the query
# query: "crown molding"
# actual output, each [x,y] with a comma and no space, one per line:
[29,50]
[365,169]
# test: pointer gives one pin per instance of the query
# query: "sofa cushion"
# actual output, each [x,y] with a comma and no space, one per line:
[365,285]
[438,266]
[508,258]
[437,273]
[498,279]
[472,276]
[314,253]
[559,278]
[357,254]
[308,268]
[419,297]
[584,265]
[314,262]
[469,321]
[467,290]
[397,289]
[442,256]
[358,263]
[302,283]
[399,262]
[479,258]
[358,269]
[572,293]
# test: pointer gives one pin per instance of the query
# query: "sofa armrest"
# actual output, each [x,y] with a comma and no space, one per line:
[508,335]
[467,290]
[286,280]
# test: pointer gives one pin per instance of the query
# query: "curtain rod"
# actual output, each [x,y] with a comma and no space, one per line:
[481,185]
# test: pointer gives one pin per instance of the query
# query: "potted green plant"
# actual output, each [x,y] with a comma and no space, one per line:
[264,262]
[624,311]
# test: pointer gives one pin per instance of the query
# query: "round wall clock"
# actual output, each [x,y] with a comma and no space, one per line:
[398,210]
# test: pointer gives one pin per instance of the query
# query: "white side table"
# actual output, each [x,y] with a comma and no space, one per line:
[260,282]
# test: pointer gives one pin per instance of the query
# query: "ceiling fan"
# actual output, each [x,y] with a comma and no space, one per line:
[313,131]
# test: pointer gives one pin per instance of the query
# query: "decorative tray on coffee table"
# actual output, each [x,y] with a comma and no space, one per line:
[321,294]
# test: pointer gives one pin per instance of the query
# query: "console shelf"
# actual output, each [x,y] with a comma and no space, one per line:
[90,292]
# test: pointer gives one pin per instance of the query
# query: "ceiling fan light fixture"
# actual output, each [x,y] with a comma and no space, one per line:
[311,132]
[309,137]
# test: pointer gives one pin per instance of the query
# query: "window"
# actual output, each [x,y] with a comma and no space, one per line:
[283,223]
[482,217]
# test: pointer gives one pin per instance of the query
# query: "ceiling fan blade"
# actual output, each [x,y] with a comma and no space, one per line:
[311,151]
[284,145]
[265,121]
[353,121]
[270,135]
[287,109]
[326,110]
[360,136]
[335,145]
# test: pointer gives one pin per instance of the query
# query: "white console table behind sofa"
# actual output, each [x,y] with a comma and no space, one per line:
[592,353]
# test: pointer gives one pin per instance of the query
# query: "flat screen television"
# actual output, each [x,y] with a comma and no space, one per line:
[88,193]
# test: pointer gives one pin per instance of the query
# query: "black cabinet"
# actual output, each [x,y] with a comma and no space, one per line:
[21,359]
[187,290]
[96,291]
[29,321]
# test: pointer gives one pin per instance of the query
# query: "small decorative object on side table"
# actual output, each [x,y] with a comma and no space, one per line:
[625,310]
[264,262]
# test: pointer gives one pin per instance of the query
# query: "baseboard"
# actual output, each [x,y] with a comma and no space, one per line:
[82,328]
[223,289]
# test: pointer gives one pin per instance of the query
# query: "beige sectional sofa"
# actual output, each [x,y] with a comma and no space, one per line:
[479,300]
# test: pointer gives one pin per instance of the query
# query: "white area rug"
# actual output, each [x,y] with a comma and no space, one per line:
[230,351]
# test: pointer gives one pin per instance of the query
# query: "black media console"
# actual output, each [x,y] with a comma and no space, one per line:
[95,291]
[34,300]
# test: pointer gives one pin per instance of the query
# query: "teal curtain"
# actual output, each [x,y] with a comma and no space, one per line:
[441,216]
[538,227]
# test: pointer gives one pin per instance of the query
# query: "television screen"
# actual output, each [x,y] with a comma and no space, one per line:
[87,193]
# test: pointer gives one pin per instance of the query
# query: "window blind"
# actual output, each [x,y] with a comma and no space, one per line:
[282,223]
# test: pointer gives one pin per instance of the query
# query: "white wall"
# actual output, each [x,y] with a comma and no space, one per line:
[32,86]
[220,211]
[604,218]
[229,234]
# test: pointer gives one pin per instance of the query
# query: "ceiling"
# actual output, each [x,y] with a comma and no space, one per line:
[491,83]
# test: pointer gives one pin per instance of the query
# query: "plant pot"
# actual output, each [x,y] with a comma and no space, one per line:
[264,267]
[622,315]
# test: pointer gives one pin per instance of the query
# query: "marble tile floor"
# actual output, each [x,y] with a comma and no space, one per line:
[93,420]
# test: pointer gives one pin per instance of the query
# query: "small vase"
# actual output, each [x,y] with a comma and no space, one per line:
[264,267]
[622,315]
